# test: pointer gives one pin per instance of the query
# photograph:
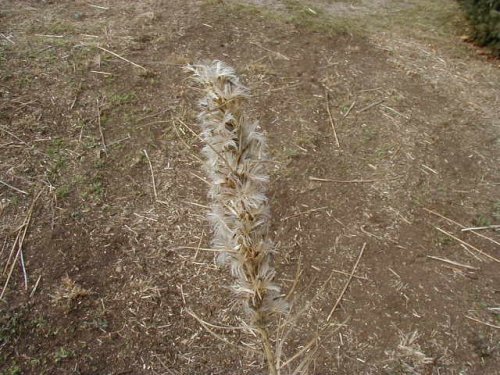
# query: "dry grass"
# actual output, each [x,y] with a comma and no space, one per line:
[408,357]
[129,226]
[68,293]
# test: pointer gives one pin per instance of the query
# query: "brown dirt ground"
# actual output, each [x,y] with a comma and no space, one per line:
[114,289]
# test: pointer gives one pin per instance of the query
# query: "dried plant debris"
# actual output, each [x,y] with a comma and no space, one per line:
[408,358]
[236,164]
[68,293]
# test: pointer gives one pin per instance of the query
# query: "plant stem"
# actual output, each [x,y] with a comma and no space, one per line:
[268,349]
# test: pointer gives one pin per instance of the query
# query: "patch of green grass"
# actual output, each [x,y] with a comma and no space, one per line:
[443,240]
[55,147]
[39,323]
[79,56]
[213,2]
[291,153]
[98,323]
[496,210]
[100,163]
[12,370]
[35,362]
[307,137]
[298,13]
[56,28]
[482,221]
[57,158]
[304,10]
[63,191]
[95,189]
[122,99]
[3,55]
[315,19]
[421,19]
[368,134]
[10,326]
[91,143]
[15,200]
[61,354]
[77,215]
[26,80]
[383,150]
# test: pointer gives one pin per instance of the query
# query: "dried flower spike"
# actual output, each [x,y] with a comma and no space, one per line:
[236,163]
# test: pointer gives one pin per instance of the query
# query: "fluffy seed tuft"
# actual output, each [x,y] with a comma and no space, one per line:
[236,159]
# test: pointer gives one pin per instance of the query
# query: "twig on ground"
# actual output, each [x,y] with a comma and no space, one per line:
[152,174]
[217,336]
[301,351]
[283,332]
[347,283]
[332,121]
[394,111]
[311,342]
[461,226]
[198,205]
[103,141]
[101,72]
[50,36]
[6,38]
[19,242]
[119,141]
[370,90]
[429,169]
[370,106]
[480,321]
[36,286]
[199,244]
[184,142]
[452,262]
[369,234]
[284,87]
[349,110]
[23,267]
[401,216]
[298,273]
[121,57]
[98,7]
[356,181]
[13,187]
[468,245]
[304,213]
[13,248]
[12,135]
[348,274]
[182,295]
[481,228]
[471,253]
[279,54]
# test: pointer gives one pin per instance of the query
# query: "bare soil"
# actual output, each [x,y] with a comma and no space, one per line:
[93,101]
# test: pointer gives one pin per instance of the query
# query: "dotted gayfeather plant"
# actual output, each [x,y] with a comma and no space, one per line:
[236,163]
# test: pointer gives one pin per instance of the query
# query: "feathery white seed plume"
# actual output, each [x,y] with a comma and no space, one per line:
[235,151]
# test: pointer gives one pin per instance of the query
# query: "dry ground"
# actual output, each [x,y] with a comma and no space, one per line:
[109,280]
